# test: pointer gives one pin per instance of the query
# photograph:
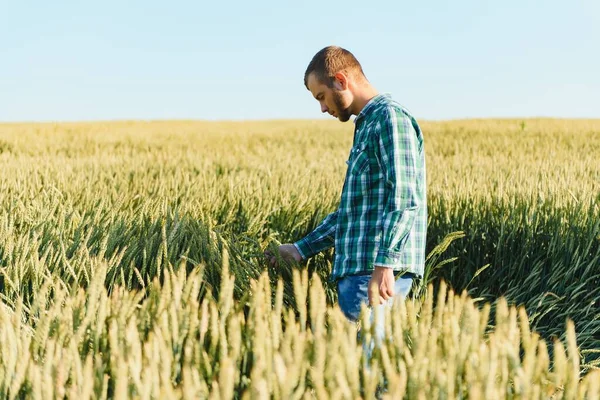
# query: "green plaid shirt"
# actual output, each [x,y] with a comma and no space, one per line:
[382,216]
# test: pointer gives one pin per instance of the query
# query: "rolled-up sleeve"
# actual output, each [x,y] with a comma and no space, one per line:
[399,149]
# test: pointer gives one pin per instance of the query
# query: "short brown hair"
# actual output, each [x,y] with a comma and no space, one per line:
[331,60]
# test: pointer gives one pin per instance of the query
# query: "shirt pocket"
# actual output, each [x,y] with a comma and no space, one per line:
[358,162]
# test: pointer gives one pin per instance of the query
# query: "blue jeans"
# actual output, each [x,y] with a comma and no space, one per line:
[353,292]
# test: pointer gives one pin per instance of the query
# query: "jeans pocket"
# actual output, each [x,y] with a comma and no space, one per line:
[352,293]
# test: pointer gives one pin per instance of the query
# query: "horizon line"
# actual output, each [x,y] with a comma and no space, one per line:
[256,120]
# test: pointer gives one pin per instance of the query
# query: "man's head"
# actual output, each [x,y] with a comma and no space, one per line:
[333,77]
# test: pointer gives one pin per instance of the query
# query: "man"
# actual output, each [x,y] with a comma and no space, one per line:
[379,228]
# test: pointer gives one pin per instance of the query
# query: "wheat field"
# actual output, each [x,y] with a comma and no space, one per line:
[131,264]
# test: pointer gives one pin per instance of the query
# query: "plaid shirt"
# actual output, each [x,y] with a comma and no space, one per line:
[382,216]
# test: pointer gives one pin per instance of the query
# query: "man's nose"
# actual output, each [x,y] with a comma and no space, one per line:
[324,107]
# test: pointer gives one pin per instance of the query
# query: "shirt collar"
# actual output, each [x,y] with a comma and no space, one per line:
[371,104]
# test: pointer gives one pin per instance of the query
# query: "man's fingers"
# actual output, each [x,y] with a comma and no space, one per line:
[376,300]
[386,293]
[285,254]
[379,294]
[270,257]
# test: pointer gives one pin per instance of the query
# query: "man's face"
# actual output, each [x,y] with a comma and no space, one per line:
[334,100]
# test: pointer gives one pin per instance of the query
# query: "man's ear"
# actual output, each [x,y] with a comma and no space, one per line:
[340,81]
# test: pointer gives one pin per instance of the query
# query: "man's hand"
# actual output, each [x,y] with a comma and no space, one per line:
[381,285]
[287,251]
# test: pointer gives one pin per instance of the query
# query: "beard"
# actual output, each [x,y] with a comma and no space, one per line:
[343,113]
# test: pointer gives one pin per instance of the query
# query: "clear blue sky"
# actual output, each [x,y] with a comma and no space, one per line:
[69,61]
